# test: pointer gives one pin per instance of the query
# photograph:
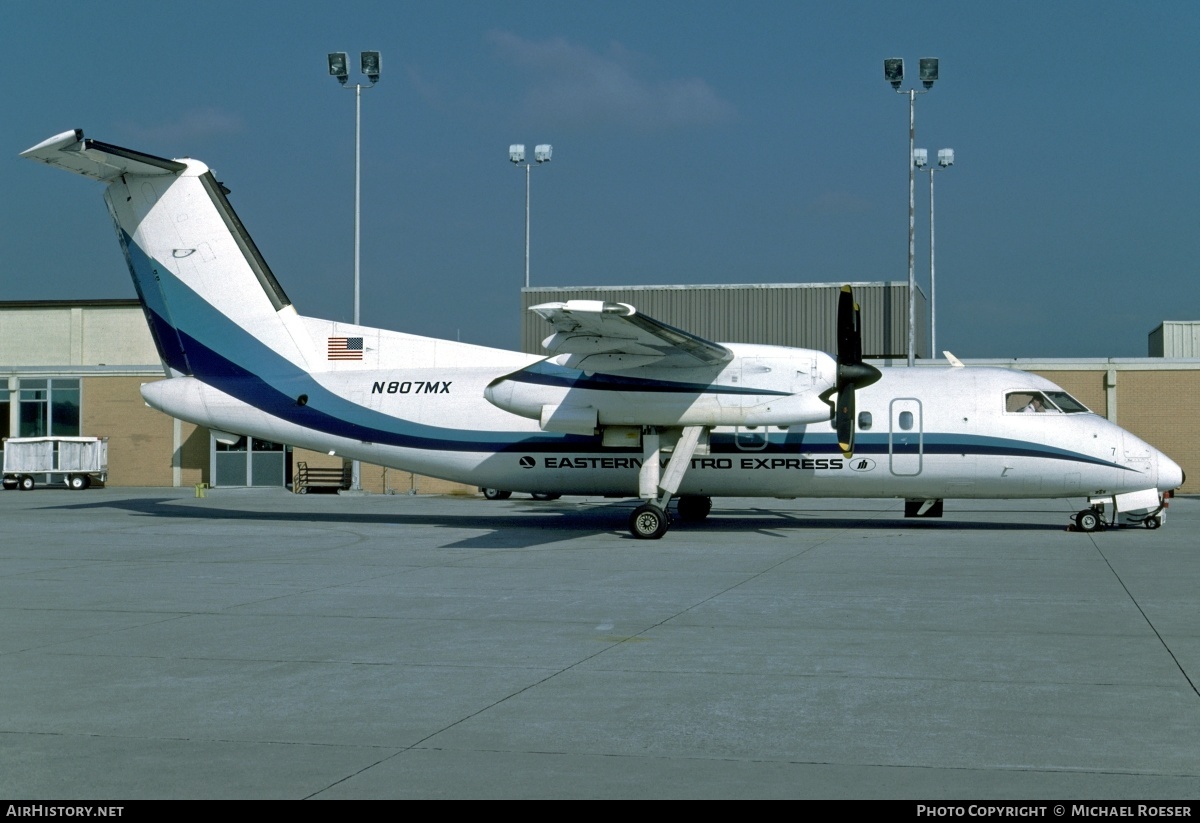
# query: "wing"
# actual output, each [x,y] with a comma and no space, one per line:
[596,336]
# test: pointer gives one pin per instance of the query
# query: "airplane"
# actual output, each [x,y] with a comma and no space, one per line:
[622,405]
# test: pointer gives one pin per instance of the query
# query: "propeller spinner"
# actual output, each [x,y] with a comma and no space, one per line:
[852,372]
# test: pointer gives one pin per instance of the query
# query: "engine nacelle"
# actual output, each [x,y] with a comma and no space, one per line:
[579,409]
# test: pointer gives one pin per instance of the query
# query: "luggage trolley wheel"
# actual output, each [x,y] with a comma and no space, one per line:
[25,483]
[79,482]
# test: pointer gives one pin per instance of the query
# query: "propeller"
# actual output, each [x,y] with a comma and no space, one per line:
[852,372]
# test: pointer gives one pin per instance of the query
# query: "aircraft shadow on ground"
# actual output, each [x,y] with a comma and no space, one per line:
[528,524]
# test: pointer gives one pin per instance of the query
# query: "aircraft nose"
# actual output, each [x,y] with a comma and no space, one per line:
[1170,473]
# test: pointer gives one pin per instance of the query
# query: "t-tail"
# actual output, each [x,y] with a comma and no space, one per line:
[213,306]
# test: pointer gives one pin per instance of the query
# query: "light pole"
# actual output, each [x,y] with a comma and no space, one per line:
[893,72]
[516,154]
[945,161]
[338,67]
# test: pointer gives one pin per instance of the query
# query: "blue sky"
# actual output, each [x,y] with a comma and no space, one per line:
[694,142]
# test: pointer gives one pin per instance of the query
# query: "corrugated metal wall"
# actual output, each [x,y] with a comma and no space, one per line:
[1176,338]
[793,314]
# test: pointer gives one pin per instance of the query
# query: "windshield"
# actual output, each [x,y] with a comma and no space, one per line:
[1066,402]
[1035,402]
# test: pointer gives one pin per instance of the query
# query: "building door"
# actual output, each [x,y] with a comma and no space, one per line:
[248,462]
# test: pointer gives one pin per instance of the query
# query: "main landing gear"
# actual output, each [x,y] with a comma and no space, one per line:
[651,520]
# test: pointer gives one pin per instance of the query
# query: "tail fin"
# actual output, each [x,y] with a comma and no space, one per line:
[213,305]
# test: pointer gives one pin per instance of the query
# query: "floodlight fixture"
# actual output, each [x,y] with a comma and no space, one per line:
[920,158]
[516,153]
[542,153]
[929,71]
[893,71]
[945,157]
[337,66]
[372,63]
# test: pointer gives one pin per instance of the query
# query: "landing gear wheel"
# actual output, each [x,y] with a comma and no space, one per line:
[496,494]
[1153,521]
[648,522]
[1088,520]
[545,496]
[25,483]
[693,508]
[79,482]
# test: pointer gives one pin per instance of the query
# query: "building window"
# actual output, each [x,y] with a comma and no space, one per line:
[48,407]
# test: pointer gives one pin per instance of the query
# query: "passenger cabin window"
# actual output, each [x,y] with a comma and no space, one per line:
[864,420]
[1033,402]
[906,420]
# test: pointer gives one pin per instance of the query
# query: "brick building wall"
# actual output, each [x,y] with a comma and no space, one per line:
[141,441]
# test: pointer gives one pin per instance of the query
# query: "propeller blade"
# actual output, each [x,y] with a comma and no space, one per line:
[844,420]
[852,372]
[847,329]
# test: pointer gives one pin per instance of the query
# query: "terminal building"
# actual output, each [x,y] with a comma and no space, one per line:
[71,368]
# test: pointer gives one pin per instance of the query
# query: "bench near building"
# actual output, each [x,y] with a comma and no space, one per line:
[75,368]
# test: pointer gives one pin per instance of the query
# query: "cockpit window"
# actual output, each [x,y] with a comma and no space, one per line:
[1029,402]
[1036,402]
[1067,403]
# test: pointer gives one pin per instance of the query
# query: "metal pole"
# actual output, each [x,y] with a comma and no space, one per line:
[355,466]
[357,186]
[912,199]
[932,276]
[527,167]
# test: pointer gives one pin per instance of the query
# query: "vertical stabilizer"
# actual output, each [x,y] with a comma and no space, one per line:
[213,305]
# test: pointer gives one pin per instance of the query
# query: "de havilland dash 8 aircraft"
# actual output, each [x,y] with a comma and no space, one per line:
[623,405]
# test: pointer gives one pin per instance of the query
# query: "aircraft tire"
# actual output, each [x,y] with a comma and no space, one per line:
[648,522]
[25,483]
[693,508]
[1088,520]
[496,494]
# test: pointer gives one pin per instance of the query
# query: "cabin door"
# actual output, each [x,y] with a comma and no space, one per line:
[906,445]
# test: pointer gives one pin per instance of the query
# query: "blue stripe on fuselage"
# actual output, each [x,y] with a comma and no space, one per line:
[269,382]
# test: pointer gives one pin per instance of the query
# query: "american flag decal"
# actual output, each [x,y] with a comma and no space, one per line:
[345,348]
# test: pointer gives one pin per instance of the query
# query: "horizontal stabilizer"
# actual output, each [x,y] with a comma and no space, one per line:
[71,151]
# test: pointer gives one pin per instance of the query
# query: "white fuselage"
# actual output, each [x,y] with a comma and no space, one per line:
[922,433]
